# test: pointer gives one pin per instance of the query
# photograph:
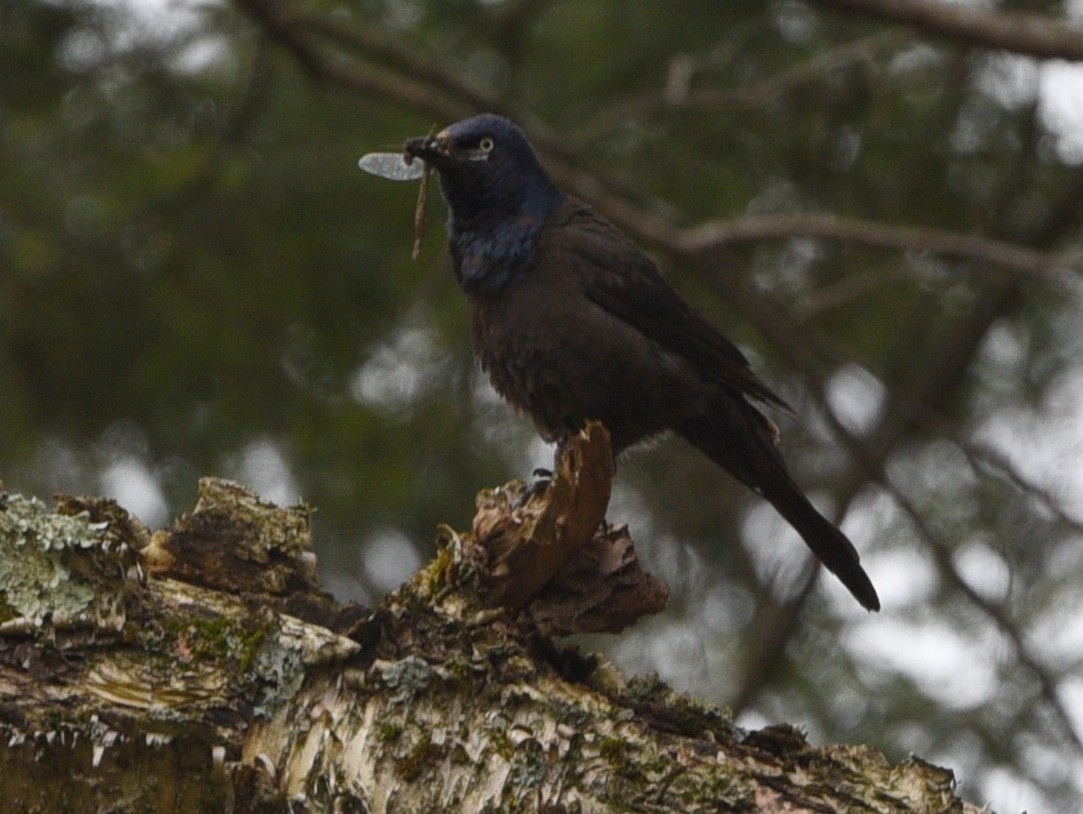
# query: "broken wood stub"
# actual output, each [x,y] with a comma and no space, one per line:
[602,589]
[553,555]
[236,542]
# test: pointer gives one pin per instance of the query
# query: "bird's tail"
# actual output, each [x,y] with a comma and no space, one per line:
[831,546]
[737,437]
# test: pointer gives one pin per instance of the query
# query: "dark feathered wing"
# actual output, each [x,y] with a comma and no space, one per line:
[731,431]
[628,285]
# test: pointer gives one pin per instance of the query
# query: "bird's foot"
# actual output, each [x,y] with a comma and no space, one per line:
[543,477]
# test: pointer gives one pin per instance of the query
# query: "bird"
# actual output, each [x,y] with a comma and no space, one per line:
[573,322]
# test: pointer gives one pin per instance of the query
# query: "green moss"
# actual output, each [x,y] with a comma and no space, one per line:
[717,788]
[459,668]
[424,755]
[243,648]
[685,714]
[437,574]
[633,772]
[572,715]
[613,749]
[459,755]
[209,638]
[452,572]
[251,641]
[390,731]
[217,639]
[694,717]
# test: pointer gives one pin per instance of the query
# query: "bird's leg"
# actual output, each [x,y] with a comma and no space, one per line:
[542,476]
[537,487]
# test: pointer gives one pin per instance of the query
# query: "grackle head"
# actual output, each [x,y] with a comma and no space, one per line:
[487,170]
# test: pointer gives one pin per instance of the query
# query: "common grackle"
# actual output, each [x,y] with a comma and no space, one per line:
[573,322]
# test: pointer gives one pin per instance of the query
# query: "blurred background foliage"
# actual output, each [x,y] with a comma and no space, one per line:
[195,279]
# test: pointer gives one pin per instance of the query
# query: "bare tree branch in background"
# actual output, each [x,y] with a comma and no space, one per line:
[1049,689]
[414,82]
[1023,33]
[681,96]
[919,404]
[379,47]
[871,456]
[398,85]
[949,244]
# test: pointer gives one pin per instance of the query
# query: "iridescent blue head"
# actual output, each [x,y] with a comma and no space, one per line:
[497,193]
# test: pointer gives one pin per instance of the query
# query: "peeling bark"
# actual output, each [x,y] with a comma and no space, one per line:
[203,670]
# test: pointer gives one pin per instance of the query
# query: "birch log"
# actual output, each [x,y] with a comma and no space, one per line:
[202,669]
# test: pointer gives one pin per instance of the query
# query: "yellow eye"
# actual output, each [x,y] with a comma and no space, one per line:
[486,144]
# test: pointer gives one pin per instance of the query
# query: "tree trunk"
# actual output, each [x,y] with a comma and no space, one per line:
[203,670]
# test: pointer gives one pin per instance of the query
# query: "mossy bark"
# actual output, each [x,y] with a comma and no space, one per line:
[202,670]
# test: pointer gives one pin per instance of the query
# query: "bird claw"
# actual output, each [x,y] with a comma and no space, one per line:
[544,477]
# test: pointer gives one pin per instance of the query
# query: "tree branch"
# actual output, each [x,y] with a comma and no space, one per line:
[205,670]
[958,245]
[871,455]
[379,45]
[426,88]
[1047,685]
[1022,33]
[870,458]
[708,99]
[366,79]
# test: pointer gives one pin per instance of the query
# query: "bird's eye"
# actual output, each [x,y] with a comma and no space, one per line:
[486,144]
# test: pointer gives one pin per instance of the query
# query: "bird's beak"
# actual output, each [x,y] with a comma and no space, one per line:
[437,150]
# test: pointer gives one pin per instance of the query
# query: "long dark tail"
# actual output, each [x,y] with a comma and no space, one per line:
[832,547]
[737,437]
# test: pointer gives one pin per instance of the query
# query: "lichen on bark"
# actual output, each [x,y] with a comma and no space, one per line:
[198,689]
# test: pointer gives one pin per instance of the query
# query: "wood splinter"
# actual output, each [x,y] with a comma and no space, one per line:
[554,556]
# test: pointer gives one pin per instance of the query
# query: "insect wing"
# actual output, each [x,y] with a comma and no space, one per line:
[392,166]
